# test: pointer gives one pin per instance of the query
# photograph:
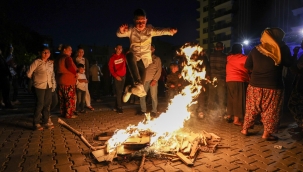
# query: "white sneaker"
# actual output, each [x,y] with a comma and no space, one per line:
[138,90]
[127,94]
[50,121]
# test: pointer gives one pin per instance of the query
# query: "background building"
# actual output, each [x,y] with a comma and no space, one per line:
[233,21]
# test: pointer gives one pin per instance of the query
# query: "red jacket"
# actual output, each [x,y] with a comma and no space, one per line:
[117,65]
[235,70]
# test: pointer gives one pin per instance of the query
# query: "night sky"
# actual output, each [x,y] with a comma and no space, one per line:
[96,21]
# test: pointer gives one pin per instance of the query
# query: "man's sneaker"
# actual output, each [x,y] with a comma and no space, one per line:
[139,90]
[153,114]
[127,94]
[119,111]
[38,127]
[49,126]
[50,121]
[141,113]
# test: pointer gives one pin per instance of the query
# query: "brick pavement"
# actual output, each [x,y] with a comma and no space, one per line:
[23,149]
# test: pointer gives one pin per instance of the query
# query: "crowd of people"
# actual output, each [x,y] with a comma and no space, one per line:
[238,87]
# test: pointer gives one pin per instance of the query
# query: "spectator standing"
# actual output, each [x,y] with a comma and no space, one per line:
[217,95]
[81,88]
[295,103]
[153,73]
[265,89]
[66,76]
[41,71]
[173,81]
[80,59]
[10,60]
[161,82]
[117,68]
[5,76]
[95,73]
[236,80]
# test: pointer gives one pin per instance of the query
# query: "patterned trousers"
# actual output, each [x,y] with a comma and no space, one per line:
[267,103]
[67,98]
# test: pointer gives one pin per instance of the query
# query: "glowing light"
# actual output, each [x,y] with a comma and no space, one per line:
[245,42]
[177,111]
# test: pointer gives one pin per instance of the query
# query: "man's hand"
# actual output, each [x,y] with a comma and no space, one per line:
[173,31]
[123,28]
[153,83]
[118,78]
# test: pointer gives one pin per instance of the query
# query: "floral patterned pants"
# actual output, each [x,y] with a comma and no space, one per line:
[267,103]
[67,97]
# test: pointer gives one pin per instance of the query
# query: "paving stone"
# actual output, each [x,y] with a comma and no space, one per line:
[113,166]
[33,151]
[61,149]
[47,166]
[259,164]
[46,158]
[12,167]
[83,168]
[3,160]
[78,160]
[64,167]
[132,166]
[62,159]
[283,167]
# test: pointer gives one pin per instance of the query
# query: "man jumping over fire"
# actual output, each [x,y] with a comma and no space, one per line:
[139,56]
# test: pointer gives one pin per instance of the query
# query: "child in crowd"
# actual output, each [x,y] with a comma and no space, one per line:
[139,57]
[117,68]
[81,88]
[174,81]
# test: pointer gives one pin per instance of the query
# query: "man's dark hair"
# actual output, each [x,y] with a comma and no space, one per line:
[219,45]
[236,49]
[80,47]
[80,65]
[139,12]
[118,45]
[64,46]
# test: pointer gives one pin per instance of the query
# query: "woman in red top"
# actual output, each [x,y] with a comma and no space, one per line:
[66,76]
[237,80]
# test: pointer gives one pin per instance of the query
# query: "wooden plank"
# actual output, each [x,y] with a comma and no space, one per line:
[184,159]
[104,138]
[185,144]
[215,137]
[194,149]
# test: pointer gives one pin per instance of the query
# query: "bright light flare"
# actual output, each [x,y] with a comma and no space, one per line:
[173,119]
[245,42]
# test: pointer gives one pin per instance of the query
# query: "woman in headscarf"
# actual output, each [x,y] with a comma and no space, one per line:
[265,89]
[66,78]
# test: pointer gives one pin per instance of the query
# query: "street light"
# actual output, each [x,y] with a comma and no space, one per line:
[246,42]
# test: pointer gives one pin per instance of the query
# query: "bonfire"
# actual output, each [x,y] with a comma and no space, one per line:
[157,134]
